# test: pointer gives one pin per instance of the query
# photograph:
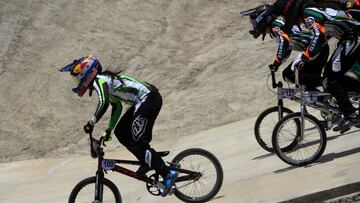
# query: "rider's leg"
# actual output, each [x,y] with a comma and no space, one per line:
[134,131]
[142,127]
[310,74]
[337,89]
[288,75]
[351,84]
[344,57]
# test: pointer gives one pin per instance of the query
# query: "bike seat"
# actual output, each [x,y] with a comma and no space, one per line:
[164,153]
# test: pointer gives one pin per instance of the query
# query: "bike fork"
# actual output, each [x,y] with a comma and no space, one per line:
[99,187]
[280,109]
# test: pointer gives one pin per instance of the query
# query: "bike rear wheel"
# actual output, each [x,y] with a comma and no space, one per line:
[208,185]
[308,149]
[265,123]
[84,192]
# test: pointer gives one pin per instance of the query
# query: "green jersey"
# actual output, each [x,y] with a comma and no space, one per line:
[116,90]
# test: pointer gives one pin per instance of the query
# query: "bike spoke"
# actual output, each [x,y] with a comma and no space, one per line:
[197,188]
[87,195]
[305,148]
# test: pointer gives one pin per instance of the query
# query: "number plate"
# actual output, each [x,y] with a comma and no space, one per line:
[108,164]
[287,93]
[310,97]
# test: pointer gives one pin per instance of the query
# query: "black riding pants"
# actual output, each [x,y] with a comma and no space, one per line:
[310,75]
[134,131]
[344,57]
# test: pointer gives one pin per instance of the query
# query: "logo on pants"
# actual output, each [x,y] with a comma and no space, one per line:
[138,127]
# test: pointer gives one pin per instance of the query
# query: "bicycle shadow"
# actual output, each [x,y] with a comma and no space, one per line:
[328,139]
[263,156]
[327,157]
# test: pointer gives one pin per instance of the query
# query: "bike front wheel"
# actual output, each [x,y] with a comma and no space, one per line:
[208,185]
[265,123]
[84,192]
[310,144]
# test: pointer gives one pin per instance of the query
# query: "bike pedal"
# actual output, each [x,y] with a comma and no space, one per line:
[159,185]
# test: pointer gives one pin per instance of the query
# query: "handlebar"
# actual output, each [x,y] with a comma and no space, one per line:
[273,79]
[95,146]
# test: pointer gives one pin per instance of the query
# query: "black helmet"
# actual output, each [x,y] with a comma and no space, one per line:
[260,18]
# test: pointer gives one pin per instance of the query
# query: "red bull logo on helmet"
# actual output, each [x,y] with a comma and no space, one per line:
[89,79]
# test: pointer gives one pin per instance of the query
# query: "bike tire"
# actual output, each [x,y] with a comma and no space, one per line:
[199,166]
[263,132]
[82,186]
[290,156]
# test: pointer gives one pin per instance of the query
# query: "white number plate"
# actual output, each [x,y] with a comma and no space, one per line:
[108,164]
[288,93]
[311,97]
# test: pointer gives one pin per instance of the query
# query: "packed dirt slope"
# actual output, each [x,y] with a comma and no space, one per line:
[197,52]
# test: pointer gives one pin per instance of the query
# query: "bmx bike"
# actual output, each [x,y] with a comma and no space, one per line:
[200,177]
[300,138]
[266,121]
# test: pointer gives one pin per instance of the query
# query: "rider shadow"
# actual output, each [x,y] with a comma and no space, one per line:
[332,156]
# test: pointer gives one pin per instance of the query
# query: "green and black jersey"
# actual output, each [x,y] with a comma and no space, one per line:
[118,90]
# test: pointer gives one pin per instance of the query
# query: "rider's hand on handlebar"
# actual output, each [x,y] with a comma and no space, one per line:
[88,128]
[298,63]
[107,136]
[273,67]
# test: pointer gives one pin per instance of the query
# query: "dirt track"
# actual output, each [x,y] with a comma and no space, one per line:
[198,52]
[250,174]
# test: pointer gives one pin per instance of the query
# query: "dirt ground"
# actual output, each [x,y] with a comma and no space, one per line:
[209,70]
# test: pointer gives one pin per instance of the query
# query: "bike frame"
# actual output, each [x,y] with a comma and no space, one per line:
[304,100]
[310,100]
[105,165]
[279,86]
[281,93]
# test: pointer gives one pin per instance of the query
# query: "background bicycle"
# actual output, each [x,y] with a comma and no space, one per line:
[300,138]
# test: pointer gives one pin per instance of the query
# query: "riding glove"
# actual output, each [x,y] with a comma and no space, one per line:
[273,67]
[107,135]
[88,128]
[298,62]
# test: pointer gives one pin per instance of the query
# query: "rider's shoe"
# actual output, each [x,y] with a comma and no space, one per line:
[343,126]
[346,124]
[143,169]
[169,182]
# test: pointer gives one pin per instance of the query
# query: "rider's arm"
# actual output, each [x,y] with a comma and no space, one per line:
[283,51]
[315,25]
[102,90]
[115,114]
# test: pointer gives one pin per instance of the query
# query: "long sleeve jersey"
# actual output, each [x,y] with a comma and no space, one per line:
[116,90]
[298,39]
[321,25]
